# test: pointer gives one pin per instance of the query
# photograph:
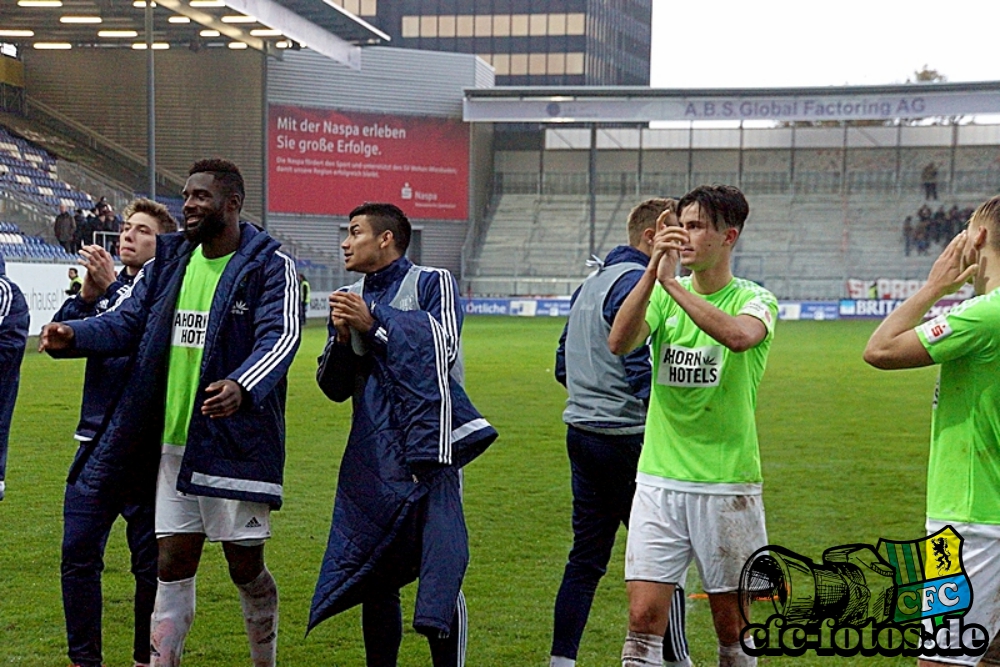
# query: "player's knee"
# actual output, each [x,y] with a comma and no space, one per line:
[646,617]
[245,563]
[173,565]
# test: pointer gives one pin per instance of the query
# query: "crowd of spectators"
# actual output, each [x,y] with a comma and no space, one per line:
[75,230]
[929,227]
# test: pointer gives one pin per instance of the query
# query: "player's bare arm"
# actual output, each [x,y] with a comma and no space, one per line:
[629,329]
[352,309]
[739,333]
[895,343]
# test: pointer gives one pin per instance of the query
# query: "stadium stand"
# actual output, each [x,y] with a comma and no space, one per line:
[801,246]
[31,172]
[17,246]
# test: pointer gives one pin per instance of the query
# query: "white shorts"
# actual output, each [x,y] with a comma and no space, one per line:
[669,528]
[219,519]
[981,558]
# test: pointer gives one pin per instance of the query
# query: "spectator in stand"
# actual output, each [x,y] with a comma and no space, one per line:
[81,234]
[936,229]
[108,221]
[921,239]
[908,234]
[75,283]
[924,213]
[65,229]
[929,176]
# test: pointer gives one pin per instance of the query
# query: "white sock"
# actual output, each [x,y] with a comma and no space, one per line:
[259,600]
[173,613]
[642,650]
[560,661]
[732,655]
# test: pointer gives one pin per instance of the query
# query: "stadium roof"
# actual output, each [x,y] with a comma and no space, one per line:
[266,25]
[635,104]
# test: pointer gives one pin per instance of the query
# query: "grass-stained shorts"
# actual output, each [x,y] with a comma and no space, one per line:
[669,528]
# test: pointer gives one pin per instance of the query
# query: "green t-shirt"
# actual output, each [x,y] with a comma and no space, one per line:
[188,342]
[700,426]
[963,473]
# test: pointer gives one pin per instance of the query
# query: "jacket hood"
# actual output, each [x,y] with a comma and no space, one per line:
[625,253]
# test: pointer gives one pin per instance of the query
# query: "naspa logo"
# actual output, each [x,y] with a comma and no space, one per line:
[898,598]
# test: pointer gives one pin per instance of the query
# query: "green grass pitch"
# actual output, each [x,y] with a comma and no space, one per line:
[844,450]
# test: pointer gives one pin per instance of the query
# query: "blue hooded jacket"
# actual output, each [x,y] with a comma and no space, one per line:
[413,426]
[104,377]
[13,339]
[252,336]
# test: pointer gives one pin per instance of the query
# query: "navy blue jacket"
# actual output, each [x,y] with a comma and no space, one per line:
[104,377]
[13,339]
[638,369]
[413,427]
[252,336]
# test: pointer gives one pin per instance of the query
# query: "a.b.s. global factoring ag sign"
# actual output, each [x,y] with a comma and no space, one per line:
[326,162]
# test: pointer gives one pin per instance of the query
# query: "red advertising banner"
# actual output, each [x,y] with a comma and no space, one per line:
[326,162]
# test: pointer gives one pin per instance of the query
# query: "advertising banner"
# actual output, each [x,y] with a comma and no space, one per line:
[792,104]
[808,310]
[521,307]
[893,288]
[44,287]
[326,162]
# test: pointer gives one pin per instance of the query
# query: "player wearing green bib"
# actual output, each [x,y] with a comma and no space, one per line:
[963,476]
[187,344]
[698,482]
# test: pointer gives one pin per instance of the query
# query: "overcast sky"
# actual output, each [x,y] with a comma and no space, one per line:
[762,43]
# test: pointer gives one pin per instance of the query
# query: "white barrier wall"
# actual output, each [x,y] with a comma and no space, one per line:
[44,287]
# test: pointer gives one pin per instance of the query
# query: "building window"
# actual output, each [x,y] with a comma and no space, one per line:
[411,26]
[446,26]
[557,63]
[481,25]
[369,7]
[538,24]
[519,25]
[537,63]
[501,63]
[484,25]
[464,25]
[518,64]
[576,24]
[574,63]
[501,25]
[557,24]
[428,26]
